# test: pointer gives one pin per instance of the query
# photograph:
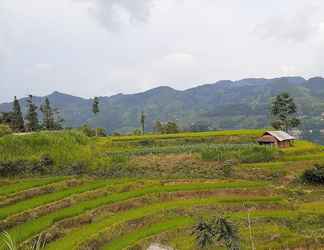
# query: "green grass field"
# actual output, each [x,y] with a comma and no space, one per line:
[130,191]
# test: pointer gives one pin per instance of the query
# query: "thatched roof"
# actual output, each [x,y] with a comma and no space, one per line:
[267,138]
[279,135]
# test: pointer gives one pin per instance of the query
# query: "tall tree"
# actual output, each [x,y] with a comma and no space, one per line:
[284,112]
[32,116]
[95,109]
[17,120]
[143,122]
[48,115]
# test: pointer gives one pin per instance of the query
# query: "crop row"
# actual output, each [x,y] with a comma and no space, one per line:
[36,225]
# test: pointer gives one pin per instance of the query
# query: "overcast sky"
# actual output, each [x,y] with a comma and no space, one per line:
[104,47]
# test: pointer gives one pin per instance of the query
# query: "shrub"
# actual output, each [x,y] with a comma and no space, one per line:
[228,168]
[137,132]
[13,169]
[258,154]
[101,132]
[87,130]
[4,130]
[314,175]
[44,166]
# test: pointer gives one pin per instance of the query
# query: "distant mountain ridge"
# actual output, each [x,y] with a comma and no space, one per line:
[221,105]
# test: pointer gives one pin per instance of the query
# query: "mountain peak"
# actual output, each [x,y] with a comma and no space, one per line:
[57,93]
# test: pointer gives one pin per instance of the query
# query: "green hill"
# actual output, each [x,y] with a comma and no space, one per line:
[222,105]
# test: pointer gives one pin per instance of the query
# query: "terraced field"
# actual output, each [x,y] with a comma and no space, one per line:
[131,212]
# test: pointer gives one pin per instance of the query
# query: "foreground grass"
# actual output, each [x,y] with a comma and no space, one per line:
[263,231]
[34,226]
[74,238]
[128,240]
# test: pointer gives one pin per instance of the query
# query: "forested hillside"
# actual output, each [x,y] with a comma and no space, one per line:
[222,105]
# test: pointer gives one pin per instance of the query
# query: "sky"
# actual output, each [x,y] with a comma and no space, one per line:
[105,47]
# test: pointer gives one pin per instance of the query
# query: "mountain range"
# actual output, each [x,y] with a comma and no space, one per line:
[221,105]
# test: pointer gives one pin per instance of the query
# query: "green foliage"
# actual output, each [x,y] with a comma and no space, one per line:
[48,115]
[6,242]
[166,128]
[137,132]
[4,130]
[256,154]
[228,168]
[284,112]
[95,105]
[60,149]
[204,234]
[17,122]
[32,123]
[142,120]
[87,130]
[314,175]
[101,132]
[90,132]
[216,230]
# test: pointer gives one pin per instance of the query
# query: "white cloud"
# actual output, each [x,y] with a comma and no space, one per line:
[296,27]
[113,14]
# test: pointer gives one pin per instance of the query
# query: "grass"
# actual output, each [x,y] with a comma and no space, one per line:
[242,132]
[4,130]
[34,226]
[294,213]
[146,232]
[21,185]
[77,236]
[48,198]
[71,151]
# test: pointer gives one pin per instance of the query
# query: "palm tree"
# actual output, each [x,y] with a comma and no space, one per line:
[227,232]
[205,234]
[217,230]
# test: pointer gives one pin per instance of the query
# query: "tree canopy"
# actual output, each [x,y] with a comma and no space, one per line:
[284,112]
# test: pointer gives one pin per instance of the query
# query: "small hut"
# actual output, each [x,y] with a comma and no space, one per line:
[279,139]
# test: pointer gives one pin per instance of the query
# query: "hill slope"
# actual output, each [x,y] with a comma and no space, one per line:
[222,105]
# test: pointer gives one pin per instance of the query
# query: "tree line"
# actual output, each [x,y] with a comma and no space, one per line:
[283,117]
[51,119]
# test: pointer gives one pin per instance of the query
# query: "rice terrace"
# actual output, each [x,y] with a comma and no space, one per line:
[70,191]
[161,125]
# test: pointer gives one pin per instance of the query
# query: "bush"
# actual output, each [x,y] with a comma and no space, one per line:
[137,132]
[4,130]
[258,154]
[314,175]
[101,132]
[87,130]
